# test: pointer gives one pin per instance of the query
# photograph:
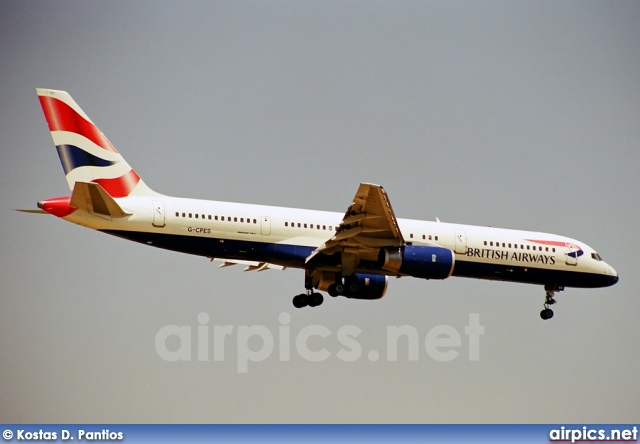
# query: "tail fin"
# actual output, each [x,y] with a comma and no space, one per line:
[85,153]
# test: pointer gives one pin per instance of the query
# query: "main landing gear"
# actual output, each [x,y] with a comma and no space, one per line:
[550,290]
[313,299]
[310,298]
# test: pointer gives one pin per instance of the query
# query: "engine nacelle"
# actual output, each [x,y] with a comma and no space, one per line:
[357,286]
[426,262]
[365,286]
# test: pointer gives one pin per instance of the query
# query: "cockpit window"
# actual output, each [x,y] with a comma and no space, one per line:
[596,256]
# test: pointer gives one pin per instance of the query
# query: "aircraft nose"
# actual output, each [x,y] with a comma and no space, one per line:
[613,274]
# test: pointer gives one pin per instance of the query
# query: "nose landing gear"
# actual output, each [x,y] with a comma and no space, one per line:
[550,290]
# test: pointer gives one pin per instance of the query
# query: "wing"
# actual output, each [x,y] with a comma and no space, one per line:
[368,225]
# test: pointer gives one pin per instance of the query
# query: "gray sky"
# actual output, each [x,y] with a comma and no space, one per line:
[514,114]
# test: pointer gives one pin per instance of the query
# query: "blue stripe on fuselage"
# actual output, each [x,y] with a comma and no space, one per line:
[294,256]
[281,254]
[532,275]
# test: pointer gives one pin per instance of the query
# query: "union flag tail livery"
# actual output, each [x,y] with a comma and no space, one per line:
[85,153]
[349,254]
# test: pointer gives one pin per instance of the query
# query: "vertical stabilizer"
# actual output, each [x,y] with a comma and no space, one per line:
[85,153]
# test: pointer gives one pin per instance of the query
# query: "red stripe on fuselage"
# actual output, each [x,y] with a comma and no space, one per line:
[556,243]
[547,242]
[61,117]
[120,186]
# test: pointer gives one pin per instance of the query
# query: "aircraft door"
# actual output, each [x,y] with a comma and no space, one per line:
[460,241]
[158,214]
[572,255]
[265,228]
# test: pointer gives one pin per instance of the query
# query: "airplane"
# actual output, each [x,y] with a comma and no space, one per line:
[350,255]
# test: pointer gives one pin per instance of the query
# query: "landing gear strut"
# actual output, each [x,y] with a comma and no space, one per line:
[310,297]
[550,290]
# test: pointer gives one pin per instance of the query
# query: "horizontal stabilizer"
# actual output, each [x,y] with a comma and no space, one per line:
[31,211]
[93,198]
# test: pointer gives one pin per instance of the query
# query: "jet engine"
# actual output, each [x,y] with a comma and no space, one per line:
[426,262]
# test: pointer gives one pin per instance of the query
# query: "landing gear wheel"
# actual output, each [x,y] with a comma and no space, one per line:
[546,314]
[339,288]
[300,301]
[315,299]
[332,290]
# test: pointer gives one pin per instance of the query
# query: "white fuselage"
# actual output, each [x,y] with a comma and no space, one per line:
[286,236]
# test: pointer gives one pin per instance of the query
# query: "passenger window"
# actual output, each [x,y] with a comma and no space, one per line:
[305,225]
[527,247]
[190,215]
[424,237]
[436,237]
[324,227]
[411,235]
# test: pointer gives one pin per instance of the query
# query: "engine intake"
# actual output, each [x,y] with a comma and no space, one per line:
[424,262]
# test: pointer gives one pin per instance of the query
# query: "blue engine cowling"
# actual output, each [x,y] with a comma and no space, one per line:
[356,286]
[364,286]
[426,262]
